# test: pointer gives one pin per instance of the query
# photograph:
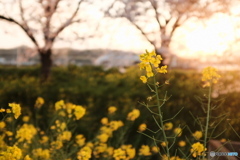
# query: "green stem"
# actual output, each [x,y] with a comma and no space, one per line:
[161,117]
[208,118]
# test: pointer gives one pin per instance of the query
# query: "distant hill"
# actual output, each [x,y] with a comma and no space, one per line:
[65,56]
[109,58]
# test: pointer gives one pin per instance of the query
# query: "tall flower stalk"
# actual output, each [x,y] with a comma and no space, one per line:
[210,77]
[150,63]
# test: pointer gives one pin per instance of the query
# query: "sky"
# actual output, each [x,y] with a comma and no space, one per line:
[192,40]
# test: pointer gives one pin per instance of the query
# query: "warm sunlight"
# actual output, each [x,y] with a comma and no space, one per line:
[194,39]
[119,79]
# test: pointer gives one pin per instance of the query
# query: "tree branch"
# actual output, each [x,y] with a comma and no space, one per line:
[49,9]
[67,22]
[25,29]
[144,34]
[155,7]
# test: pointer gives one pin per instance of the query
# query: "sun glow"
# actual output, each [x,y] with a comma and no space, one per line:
[194,39]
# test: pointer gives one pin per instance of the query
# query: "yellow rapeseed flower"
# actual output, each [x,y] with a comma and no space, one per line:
[197,135]
[182,143]
[2,125]
[62,126]
[119,154]
[79,112]
[2,110]
[103,137]
[70,107]
[144,151]
[56,145]
[8,111]
[84,153]
[16,109]
[142,127]
[130,152]
[155,149]
[175,158]
[163,69]
[112,109]
[197,149]
[25,118]
[164,157]
[99,149]
[104,120]
[134,114]
[9,133]
[150,74]
[59,105]
[178,131]
[142,65]
[90,144]
[110,151]
[144,79]
[39,102]
[80,139]
[40,153]
[150,62]
[148,68]
[53,127]
[168,126]
[223,140]
[26,132]
[62,114]
[164,144]
[114,125]
[209,76]
[27,158]
[2,142]
[107,129]
[44,139]
[12,153]
[65,136]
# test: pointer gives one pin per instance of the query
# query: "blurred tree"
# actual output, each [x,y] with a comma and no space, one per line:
[43,21]
[158,20]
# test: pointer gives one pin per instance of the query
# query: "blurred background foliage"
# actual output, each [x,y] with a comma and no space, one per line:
[97,89]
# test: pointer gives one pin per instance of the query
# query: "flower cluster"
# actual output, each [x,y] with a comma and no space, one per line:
[150,63]
[210,76]
[144,150]
[64,136]
[197,149]
[40,153]
[125,152]
[70,109]
[112,109]
[197,135]
[85,153]
[168,126]
[26,133]
[39,102]
[142,127]
[12,153]
[15,109]
[35,143]
[80,139]
[134,114]
[2,125]
[178,131]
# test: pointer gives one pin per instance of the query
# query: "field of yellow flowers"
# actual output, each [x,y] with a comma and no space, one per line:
[122,133]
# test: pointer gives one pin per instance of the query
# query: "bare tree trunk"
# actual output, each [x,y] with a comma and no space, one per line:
[46,64]
[163,51]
